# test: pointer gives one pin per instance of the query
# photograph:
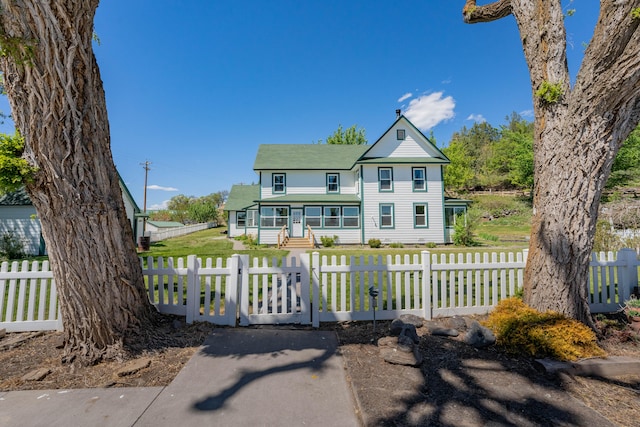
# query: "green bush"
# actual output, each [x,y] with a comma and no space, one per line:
[431,245]
[375,243]
[328,241]
[396,245]
[463,231]
[11,247]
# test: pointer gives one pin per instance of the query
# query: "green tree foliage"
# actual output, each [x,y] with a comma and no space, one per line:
[190,209]
[490,158]
[14,170]
[352,136]
[513,153]
[626,167]
[475,146]
[202,210]
[459,174]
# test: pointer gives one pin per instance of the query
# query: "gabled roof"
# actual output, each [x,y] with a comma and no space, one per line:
[15,198]
[308,156]
[439,156]
[242,197]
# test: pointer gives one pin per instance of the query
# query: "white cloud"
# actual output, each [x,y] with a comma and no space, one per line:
[405,96]
[478,118]
[526,113]
[159,207]
[446,81]
[157,187]
[427,111]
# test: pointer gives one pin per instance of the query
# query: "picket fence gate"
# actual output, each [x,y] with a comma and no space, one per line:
[310,289]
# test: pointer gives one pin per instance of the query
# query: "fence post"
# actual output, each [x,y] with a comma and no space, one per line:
[629,277]
[305,283]
[234,293]
[315,288]
[426,284]
[193,296]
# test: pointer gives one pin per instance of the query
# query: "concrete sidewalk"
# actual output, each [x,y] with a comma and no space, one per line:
[266,377]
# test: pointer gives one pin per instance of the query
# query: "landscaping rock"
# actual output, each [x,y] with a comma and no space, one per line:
[443,332]
[36,375]
[133,367]
[3,332]
[456,322]
[412,319]
[399,351]
[479,337]
[396,327]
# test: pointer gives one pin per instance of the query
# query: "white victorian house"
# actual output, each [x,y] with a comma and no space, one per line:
[391,190]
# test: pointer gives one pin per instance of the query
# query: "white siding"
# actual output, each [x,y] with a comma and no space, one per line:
[403,198]
[411,146]
[22,221]
[233,230]
[307,182]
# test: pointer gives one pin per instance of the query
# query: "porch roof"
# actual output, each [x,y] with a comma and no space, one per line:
[312,198]
[242,197]
[450,201]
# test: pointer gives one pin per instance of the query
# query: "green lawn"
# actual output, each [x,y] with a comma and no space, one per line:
[209,243]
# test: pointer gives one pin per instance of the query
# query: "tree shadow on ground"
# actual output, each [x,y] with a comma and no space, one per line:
[462,386]
[268,352]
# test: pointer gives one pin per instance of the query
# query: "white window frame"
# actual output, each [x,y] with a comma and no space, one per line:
[346,218]
[275,185]
[313,218]
[331,217]
[423,179]
[382,180]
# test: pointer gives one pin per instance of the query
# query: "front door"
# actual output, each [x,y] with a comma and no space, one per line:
[296,223]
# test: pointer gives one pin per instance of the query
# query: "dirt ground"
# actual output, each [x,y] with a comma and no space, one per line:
[452,373]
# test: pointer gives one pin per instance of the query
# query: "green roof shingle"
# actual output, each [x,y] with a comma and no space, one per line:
[241,197]
[308,156]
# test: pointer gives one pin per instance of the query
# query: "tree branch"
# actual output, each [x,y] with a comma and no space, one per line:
[473,14]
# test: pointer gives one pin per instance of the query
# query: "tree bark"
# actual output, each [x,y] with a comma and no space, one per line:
[577,137]
[58,104]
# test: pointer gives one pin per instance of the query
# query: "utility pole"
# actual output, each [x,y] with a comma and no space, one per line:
[146,168]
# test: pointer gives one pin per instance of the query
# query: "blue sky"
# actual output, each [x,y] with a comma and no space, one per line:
[194,86]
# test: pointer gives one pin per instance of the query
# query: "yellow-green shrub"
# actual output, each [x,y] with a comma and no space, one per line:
[523,330]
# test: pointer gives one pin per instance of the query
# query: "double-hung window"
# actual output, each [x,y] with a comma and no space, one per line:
[386,215]
[279,183]
[333,183]
[419,179]
[385,179]
[241,219]
[252,218]
[313,216]
[420,215]
[351,217]
[331,216]
[272,217]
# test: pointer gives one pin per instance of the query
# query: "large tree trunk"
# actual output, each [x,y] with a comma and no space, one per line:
[58,104]
[577,136]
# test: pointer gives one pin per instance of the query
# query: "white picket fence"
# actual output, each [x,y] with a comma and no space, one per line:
[313,289]
[157,236]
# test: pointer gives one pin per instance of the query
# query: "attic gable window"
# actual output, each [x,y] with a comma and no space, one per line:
[279,183]
[400,134]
